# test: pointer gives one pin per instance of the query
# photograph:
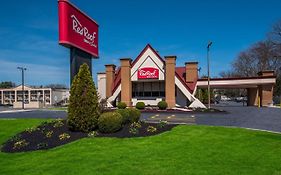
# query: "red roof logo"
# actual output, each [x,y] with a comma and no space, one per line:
[148,73]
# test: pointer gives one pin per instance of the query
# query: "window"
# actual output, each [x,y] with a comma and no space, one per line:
[148,89]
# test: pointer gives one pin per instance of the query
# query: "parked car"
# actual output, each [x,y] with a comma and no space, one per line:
[240,99]
[225,98]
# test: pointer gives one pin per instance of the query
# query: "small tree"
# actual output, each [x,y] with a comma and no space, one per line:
[83,109]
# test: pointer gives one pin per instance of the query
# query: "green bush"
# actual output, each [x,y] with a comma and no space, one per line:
[134,115]
[83,109]
[162,105]
[110,122]
[121,105]
[125,115]
[140,105]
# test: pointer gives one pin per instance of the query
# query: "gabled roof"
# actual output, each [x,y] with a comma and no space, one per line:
[148,46]
[179,71]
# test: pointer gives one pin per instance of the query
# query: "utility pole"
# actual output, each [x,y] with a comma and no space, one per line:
[22,84]
[208,61]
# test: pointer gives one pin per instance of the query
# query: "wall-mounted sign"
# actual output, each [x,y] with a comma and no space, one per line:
[76,29]
[148,73]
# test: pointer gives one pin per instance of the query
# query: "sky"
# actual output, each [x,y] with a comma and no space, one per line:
[29,33]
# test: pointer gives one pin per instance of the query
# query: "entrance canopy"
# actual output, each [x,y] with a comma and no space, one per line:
[236,83]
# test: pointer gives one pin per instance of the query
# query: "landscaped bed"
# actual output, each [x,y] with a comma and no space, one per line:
[55,133]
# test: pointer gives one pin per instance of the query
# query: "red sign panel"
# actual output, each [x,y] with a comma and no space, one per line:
[148,73]
[76,29]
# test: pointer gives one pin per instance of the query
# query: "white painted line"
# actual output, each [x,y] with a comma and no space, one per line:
[14,111]
[254,129]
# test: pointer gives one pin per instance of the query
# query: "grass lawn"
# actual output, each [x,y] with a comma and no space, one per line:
[57,109]
[184,150]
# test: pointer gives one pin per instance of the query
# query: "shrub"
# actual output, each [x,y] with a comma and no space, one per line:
[83,109]
[20,144]
[162,105]
[151,129]
[134,115]
[30,130]
[134,128]
[110,122]
[121,105]
[134,131]
[136,125]
[58,123]
[49,134]
[93,134]
[162,123]
[64,136]
[125,115]
[140,105]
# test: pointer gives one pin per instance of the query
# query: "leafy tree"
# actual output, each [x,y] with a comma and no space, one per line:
[56,86]
[83,109]
[7,84]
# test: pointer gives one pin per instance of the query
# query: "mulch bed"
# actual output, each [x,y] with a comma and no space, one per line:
[37,139]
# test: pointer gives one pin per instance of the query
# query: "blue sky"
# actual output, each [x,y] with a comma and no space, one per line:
[29,33]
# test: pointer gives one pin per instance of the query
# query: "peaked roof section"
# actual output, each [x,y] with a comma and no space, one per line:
[148,46]
[117,79]
[179,71]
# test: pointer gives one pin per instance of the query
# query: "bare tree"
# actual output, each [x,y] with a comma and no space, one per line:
[263,55]
[275,34]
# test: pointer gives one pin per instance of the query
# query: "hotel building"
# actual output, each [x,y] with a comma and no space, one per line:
[150,79]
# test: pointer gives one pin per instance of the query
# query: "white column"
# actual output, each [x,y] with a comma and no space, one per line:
[10,99]
[29,96]
[16,96]
[44,98]
[51,97]
[2,97]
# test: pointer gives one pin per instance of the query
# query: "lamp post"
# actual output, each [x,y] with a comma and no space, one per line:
[22,84]
[280,87]
[208,61]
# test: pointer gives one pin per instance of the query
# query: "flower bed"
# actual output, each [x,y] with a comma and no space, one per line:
[55,133]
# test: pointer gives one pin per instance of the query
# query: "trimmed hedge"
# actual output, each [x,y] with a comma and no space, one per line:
[125,115]
[134,115]
[162,105]
[140,105]
[121,105]
[110,122]
[83,108]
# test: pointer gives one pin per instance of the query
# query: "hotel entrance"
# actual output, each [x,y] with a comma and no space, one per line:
[148,92]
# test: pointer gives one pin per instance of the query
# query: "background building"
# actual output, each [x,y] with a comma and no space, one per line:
[34,97]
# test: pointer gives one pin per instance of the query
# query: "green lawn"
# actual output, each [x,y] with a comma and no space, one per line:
[57,109]
[184,150]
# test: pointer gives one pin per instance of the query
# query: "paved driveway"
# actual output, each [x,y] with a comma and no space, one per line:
[247,117]
[33,114]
